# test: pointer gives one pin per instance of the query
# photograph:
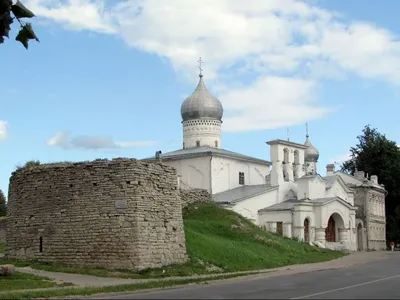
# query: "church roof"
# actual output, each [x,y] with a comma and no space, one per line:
[285,205]
[353,181]
[289,204]
[323,201]
[330,180]
[204,151]
[201,104]
[310,176]
[242,193]
[286,143]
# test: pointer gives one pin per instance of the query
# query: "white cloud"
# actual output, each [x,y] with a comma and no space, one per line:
[271,102]
[63,140]
[74,14]
[3,130]
[288,45]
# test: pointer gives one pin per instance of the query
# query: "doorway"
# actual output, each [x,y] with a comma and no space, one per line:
[330,231]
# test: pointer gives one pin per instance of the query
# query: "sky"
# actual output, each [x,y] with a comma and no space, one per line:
[108,77]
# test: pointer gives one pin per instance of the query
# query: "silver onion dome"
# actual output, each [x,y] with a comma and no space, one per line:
[201,104]
[311,154]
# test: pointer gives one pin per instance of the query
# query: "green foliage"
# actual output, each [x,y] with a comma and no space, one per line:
[28,164]
[377,155]
[3,204]
[26,33]
[21,281]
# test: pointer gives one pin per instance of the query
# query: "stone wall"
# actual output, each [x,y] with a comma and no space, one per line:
[195,195]
[373,226]
[118,214]
[3,221]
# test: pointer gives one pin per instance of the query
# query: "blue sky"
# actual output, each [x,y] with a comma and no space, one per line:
[108,77]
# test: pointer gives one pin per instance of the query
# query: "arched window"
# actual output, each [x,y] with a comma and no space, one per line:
[216,144]
[197,143]
[296,157]
[285,162]
[286,155]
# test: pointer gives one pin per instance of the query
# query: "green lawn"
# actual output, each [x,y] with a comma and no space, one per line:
[217,240]
[21,281]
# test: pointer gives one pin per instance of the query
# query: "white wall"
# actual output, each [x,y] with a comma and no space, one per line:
[270,219]
[301,213]
[337,190]
[249,208]
[285,187]
[225,173]
[284,216]
[311,188]
[194,172]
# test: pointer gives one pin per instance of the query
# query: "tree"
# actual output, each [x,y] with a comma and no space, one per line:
[3,205]
[376,155]
[7,9]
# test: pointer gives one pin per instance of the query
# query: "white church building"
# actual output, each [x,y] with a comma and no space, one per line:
[285,195]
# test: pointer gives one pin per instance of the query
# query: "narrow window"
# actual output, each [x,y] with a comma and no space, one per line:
[40,244]
[197,143]
[241,178]
[216,144]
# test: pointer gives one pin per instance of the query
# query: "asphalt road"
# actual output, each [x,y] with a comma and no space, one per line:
[376,280]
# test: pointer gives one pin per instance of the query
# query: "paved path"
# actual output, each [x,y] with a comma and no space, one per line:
[377,279]
[87,280]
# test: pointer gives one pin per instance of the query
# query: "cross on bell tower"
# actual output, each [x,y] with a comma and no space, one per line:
[307,130]
[201,62]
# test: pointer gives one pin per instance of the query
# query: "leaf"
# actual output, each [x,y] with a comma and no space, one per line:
[5,24]
[25,34]
[20,11]
[23,37]
[5,6]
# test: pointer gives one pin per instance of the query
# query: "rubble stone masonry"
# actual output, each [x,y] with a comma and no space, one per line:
[3,221]
[116,214]
[195,196]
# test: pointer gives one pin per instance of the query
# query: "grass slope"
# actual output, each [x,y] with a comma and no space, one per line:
[226,239]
